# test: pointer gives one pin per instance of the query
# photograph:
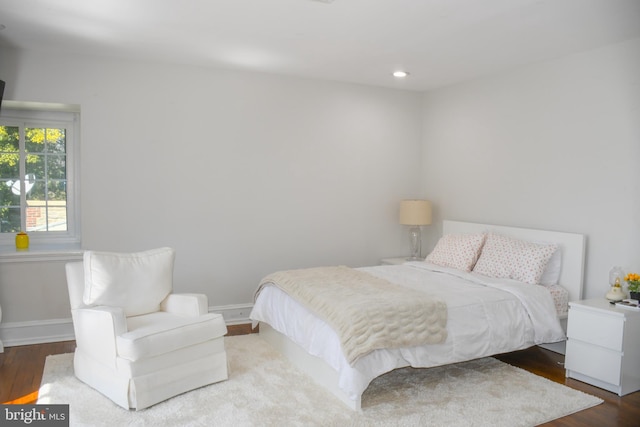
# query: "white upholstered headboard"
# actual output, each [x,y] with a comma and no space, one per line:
[571,244]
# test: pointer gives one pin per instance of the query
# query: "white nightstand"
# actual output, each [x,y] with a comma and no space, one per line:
[603,345]
[394,261]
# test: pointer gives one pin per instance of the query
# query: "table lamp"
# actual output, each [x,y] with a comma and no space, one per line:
[415,213]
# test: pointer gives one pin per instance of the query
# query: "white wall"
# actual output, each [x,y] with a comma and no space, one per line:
[242,173]
[553,146]
[249,173]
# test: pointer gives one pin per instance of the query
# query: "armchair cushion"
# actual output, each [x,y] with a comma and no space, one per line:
[138,282]
[158,333]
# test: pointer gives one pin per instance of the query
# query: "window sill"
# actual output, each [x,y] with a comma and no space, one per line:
[41,253]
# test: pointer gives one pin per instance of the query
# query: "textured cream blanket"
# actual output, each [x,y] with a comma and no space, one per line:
[367,312]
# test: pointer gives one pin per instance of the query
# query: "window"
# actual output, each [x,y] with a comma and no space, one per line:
[37,174]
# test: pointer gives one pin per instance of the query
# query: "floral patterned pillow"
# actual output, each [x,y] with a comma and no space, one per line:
[458,251]
[506,257]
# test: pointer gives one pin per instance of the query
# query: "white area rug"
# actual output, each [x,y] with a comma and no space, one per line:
[264,389]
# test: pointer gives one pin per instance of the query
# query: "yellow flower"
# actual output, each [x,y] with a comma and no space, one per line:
[632,277]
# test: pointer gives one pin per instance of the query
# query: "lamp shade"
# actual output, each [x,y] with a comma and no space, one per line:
[415,212]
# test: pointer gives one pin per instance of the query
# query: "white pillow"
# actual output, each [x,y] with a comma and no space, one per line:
[551,275]
[137,282]
[506,257]
[457,251]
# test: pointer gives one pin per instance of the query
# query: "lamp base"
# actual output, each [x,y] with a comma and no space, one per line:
[415,242]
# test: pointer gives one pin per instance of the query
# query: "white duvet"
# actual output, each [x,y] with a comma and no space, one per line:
[485,317]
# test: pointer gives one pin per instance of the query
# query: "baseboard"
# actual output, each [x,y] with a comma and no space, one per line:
[558,347]
[36,332]
[55,330]
[235,314]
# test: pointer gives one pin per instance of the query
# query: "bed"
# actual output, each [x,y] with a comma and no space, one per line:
[484,315]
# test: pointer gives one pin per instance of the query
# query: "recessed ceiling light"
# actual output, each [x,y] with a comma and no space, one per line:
[400,74]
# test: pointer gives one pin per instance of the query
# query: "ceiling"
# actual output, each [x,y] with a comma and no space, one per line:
[439,42]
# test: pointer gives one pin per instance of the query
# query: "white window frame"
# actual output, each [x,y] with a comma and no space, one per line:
[27,114]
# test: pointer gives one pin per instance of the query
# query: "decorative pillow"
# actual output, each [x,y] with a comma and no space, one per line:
[506,257]
[551,275]
[457,251]
[137,282]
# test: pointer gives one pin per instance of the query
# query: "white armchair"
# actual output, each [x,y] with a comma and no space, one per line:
[137,342]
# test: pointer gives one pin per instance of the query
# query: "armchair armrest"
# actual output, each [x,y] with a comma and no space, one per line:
[191,305]
[96,329]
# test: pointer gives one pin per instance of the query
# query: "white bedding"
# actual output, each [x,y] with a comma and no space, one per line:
[485,317]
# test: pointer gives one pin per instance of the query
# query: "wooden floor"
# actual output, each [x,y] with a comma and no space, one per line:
[21,373]
[615,411]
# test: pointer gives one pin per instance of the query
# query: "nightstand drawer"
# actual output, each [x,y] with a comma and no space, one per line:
[602,364]
[596,328]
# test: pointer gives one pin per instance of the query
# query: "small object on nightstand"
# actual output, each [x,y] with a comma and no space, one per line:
[628,304]
[616,293]
[633,282]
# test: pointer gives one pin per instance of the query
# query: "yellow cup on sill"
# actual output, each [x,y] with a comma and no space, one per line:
[22,241]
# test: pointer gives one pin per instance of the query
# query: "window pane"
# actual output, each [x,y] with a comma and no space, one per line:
[36,217]
[34,140]
[9,139]
[56,141]
[56,167]
[9,157]
[57,190]
[8,196]
[35,165]
[57,216]
[9,167]
[35,189]
[9,220]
